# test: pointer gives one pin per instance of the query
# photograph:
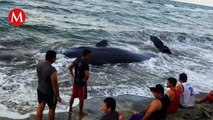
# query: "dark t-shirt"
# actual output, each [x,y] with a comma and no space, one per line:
[161,114]
[44,71]
[80,67]
[111,116]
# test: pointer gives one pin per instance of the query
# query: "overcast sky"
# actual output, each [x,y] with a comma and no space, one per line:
[200,2]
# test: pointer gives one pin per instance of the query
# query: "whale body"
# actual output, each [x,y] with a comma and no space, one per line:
[101,54]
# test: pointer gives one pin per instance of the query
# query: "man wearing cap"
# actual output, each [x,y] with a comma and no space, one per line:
[157,109]
[187,92]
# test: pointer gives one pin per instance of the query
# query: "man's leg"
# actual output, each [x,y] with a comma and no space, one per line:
[137,117]
[40,110]
[51,102]
[81,105]
[71,102]
[82,97]
[200,100]
[51,114]
[73,96]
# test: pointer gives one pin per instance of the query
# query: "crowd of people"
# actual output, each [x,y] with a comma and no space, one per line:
[178,96]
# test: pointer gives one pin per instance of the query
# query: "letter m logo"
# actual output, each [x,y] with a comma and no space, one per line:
[16,17]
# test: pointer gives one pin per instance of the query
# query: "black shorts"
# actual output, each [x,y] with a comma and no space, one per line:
[50,99]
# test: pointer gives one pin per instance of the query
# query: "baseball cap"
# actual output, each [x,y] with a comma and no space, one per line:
[158,88]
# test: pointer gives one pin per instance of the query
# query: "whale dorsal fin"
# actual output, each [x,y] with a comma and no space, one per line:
[157,42]
[102,43]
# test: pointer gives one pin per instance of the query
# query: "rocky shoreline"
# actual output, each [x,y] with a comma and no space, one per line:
[125,103]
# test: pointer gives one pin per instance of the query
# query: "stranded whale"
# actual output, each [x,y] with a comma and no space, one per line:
[101,54]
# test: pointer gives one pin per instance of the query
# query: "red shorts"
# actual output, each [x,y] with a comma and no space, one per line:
[79,92]
[209,98]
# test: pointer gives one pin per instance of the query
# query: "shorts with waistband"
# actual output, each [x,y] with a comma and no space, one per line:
[50,99]
[79,92]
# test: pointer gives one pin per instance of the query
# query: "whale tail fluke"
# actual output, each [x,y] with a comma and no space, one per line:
[159,45]
[165,49]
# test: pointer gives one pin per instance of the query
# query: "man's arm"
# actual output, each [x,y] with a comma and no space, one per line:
[200,100]
[142,111]
[180,88]
[170,94]
[71,70]
[210,93]
[145,109]
[154,106]
[86,75]
[54,81]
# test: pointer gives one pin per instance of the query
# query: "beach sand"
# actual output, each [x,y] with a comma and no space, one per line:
[125,103]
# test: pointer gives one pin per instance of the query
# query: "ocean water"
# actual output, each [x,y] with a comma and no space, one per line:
[61,24]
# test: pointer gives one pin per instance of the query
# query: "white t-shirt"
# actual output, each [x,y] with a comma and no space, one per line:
[187,97]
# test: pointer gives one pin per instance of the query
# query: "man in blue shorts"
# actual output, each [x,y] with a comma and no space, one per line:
[158,107]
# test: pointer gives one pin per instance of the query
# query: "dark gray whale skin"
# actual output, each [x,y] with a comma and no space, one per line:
[101,54]
[107,55]
[159,45]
